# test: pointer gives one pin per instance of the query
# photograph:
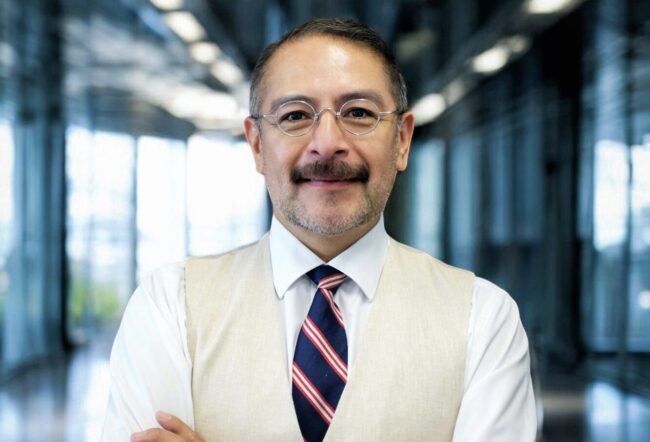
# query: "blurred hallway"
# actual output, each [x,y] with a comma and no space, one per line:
[121,150]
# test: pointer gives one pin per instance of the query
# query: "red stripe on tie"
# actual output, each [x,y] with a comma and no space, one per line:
[321,343]
[335,308]
[332,281]
[311,393]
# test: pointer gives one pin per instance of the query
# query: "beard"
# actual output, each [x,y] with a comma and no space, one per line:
[329,220]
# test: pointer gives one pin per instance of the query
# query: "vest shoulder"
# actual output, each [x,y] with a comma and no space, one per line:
[240,252]
[421,258]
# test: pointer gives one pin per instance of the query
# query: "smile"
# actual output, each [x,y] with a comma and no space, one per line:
[328,183]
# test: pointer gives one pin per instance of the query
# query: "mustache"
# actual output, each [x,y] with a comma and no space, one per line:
[334,170]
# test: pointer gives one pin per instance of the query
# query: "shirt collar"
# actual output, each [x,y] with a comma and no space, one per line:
[362,261]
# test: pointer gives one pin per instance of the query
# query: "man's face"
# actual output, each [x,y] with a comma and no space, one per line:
[328,181]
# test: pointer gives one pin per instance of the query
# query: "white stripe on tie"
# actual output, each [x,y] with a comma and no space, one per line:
[321,343]
[312,394]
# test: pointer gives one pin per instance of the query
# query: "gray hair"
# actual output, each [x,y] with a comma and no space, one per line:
[348,30]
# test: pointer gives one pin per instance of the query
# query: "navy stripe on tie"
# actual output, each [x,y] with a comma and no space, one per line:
[319,369]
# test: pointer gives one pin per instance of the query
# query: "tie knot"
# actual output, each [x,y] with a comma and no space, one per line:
[326,277]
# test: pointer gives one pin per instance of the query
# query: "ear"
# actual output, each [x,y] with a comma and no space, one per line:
[404,141]
[253,136]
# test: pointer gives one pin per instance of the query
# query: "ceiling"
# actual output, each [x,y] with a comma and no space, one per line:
[126,60]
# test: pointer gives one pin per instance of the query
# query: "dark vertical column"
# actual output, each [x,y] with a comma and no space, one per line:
[624,328]
[34,306]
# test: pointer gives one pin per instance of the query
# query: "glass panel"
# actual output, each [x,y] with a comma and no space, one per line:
[6,214]
[100,233]
[500,188]
[463,194]
[160,203]
[639,312]
[226,197]
[426,186]
[528,154]
[610,218]
[610,205]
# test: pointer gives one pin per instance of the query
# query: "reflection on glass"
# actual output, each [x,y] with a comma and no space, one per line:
[613,415]
[500,178]
[226,198]
[6,213]
[639,294]
[610,194]
[641,199]
[604,411]
[63,400]
[611,173]
[464,199]
[644,300]
[425,231]
[100,213]
[160,203]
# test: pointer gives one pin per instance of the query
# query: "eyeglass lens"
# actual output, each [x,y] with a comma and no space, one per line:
[356,116]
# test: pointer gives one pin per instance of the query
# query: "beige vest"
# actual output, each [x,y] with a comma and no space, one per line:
[406,383]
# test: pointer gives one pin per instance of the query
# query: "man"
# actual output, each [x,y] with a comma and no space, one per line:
[326,327]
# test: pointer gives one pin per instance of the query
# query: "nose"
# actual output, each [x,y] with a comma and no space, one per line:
[328,137]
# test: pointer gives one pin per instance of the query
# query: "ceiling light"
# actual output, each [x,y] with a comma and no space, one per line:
[7,54]
[454,91]
[227,72]
[427,108]
[644,300]
[491,60]
[516,44]
[185,26]
[204,52]
[167,5]
[200,102]
[547,6]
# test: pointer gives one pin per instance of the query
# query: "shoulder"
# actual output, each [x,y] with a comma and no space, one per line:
[493,307]
[492,297]
[425,263]
[161,291]
[163,277]
[242,252]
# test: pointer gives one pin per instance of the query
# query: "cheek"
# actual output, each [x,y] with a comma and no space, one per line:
[386,164]
[276,168]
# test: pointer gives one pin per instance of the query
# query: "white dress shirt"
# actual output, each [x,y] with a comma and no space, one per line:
[151,368]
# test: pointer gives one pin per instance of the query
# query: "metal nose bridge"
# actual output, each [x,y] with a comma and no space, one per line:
[317,115]
[335,113]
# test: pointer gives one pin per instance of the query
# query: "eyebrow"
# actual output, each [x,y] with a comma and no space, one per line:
[368,94]
[275,104]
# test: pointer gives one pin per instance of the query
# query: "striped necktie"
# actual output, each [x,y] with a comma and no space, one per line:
[320,363]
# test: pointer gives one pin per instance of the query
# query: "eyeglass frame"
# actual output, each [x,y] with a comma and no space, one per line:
[337,115]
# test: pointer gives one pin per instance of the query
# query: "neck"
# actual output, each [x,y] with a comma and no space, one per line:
[327,247]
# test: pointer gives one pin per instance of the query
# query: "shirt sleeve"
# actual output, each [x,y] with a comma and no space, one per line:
[498,402]
[150,368]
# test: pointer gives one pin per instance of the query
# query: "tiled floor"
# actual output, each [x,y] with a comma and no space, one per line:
[64,400]
[59,400]
[596,412]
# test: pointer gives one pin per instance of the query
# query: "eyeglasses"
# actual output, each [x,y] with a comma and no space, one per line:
[296,118]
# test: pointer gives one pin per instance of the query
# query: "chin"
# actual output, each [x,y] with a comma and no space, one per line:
[331,224]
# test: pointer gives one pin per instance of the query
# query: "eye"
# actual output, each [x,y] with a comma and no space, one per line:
[295,112]
[293,116]
[359,113]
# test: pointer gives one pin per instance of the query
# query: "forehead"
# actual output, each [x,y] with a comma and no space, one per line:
[324,68]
